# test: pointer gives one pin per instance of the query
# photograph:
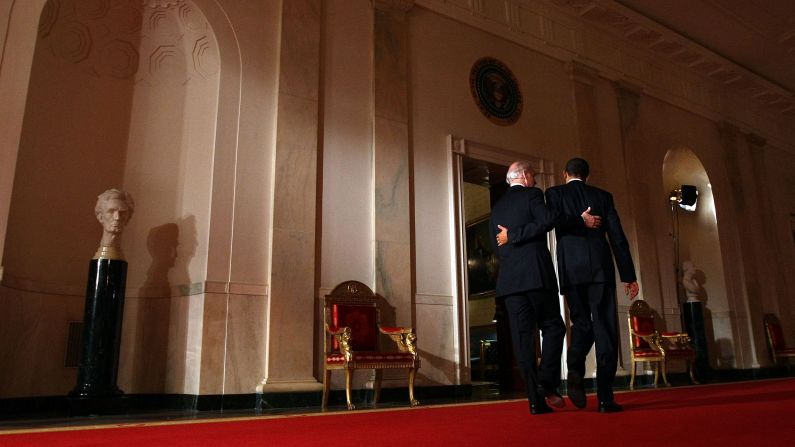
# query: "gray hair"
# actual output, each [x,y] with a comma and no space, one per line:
[516,169]
[114,193]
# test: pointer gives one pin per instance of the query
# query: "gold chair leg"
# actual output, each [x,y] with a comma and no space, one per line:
[326,386]
[348,383]
[665,376]
[377,386]
[412,374]
[632,376]
[656,372]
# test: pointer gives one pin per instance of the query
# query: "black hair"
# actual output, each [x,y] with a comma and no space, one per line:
[577,167]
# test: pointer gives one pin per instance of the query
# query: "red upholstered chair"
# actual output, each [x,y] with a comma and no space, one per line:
[352,328]
[775,340]
[650,345]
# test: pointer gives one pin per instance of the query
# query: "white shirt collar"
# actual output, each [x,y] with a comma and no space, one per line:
[574,180]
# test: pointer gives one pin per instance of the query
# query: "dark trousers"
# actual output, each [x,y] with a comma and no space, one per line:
[527,313]
[592,308]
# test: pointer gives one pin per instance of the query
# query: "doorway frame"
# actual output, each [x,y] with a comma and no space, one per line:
[460,148]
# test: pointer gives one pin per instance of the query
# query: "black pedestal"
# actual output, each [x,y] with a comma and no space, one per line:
[694,325]
[99,362]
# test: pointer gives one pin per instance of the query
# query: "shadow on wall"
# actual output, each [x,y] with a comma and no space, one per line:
[701,277]
[445,366]
[161,325]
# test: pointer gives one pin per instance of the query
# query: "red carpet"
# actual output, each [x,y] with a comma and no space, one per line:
[740,414]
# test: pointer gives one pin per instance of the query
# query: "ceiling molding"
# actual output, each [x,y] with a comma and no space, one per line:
[625,46]
[648,34]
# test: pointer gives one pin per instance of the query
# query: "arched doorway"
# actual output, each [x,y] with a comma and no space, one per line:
[696,239]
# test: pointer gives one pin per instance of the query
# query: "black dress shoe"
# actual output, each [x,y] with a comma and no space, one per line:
[610,407]
[552,397]
[575,390]
[540,407]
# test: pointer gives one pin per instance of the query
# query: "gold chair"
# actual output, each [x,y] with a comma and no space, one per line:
[775,340]
[650,345]
[351,341]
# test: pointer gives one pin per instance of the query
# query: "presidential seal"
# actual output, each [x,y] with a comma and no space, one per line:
[495,91]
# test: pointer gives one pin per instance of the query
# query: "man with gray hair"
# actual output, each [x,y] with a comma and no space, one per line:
[527,284]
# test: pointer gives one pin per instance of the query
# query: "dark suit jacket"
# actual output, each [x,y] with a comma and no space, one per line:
[525,262]
[584,253]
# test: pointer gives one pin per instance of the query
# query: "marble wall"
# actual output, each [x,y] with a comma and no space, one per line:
[127,95]
[280,148]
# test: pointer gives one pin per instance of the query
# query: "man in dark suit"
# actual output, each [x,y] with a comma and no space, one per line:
[587,278]
[526,281]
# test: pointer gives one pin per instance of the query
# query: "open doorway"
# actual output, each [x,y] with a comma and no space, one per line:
[478,181]
[483,184]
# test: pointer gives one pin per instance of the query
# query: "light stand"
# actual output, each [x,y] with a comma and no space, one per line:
[674,198]
[691,314]
[685,198]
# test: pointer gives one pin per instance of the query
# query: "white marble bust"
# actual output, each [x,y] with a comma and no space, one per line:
[689,281]
[113,210]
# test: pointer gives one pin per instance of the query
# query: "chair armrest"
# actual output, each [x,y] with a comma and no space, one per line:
[343,336]
[394,330]
[679,338]
[334,330]
[652,338]
[404,337]
[644,334]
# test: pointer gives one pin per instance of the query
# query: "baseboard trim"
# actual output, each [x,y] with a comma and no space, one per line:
[55,406]
[46,406]
[360,397]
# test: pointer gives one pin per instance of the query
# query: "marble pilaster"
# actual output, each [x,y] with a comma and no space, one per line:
[584,80]
[439,363]
[776,274]
[393,158]
[749,303]
[213,343]
[628,98]
[17,44]
[291,322]
[246,333]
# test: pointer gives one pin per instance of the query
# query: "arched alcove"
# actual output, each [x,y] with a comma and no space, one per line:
[121,94]
[698,242]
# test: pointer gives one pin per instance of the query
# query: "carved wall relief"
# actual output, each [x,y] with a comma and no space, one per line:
[150,40]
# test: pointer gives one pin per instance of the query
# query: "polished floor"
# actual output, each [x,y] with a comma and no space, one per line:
[53,419]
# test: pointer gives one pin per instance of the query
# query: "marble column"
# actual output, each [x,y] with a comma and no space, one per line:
[747,307]
[628,98]
[775,274]
[18,36]
[293,283]
[584,80]
[393,159]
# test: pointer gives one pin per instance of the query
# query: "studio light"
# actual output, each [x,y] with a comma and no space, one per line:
[686,197]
